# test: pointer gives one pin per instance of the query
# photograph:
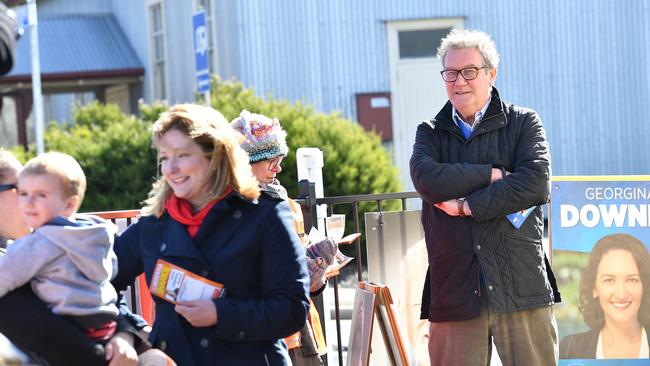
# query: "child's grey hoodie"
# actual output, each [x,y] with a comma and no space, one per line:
[69,264]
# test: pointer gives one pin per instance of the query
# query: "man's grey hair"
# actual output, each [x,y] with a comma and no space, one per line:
[468,38]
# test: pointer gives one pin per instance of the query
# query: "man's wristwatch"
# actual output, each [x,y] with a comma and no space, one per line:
[461,207]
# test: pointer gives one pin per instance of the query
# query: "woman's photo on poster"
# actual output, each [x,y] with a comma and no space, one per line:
[613,302]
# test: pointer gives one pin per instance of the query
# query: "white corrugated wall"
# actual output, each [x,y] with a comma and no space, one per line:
[581,64]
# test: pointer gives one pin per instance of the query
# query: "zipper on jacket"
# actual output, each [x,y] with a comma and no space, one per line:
[480,270]
[478,279]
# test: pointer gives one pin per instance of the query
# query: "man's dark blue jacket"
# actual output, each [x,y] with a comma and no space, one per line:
[444,166]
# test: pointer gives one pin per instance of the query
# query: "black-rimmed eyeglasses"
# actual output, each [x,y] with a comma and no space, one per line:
[468,73]
[7,187]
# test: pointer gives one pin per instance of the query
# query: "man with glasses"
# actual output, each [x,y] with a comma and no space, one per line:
[477,161]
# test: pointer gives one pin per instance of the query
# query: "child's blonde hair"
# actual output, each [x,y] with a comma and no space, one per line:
[62,166]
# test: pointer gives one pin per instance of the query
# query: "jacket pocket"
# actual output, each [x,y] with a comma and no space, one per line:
[525,259]
[449,287]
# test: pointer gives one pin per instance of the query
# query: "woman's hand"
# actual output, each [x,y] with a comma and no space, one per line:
[325,249]
[199,313]
[120,352]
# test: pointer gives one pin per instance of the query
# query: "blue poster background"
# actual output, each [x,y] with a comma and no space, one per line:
[574,192]
[571,245]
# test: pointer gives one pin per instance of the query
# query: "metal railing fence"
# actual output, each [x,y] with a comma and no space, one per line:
[308,201]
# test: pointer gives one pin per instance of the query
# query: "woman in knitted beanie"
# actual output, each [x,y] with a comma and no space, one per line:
[266,146]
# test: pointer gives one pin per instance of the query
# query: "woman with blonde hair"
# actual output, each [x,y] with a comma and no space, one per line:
[205,214]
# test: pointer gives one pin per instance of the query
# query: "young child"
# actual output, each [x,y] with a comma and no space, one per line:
[67,258]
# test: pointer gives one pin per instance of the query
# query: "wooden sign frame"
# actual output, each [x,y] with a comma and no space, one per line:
[386,314]
[363,313]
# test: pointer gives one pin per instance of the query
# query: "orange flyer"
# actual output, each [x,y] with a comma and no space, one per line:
[173,283]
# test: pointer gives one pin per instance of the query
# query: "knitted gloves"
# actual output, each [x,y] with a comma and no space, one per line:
[325,249]
[320,255]
[316,273]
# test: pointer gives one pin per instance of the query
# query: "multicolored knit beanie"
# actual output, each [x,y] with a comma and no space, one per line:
[265,138]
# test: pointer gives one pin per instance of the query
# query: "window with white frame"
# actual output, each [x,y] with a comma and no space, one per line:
[206,6]
[158,62]
[419,43]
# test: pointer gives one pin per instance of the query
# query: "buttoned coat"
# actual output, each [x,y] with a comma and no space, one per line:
[249,247]
[445,166]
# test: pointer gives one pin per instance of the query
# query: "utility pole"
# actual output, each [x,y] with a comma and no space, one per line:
[36,76]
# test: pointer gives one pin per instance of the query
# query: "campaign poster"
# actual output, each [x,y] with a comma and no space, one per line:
[600,230]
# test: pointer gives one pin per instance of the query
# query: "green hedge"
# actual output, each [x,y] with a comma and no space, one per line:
[115,149]
[355,161]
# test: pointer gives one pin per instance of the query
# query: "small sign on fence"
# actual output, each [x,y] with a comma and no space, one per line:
[335,226]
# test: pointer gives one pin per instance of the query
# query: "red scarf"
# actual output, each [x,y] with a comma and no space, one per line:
[180,210]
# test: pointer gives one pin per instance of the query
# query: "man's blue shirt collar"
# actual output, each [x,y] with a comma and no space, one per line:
[458,120]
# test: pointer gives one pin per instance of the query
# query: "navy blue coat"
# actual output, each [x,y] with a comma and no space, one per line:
[445,165]
[254,251]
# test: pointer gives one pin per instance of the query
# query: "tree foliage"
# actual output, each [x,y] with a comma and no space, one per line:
[355,161]
[114,151]
[120,165]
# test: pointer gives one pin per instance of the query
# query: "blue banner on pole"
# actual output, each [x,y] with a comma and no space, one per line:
[201,52]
